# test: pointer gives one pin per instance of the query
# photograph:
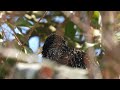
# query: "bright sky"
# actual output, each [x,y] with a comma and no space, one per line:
[34,43]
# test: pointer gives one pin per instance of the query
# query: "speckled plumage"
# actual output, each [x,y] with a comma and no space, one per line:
[55,48]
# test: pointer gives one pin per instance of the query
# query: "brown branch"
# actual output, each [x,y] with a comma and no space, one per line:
[76,20]
[42,17]
[93,67]
[111,58]
[17,38]
[33,28]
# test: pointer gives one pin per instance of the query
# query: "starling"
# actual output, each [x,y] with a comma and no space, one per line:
[56,49]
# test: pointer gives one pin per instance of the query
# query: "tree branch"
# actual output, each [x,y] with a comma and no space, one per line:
[111,59]
[33,28]
[93,66]
[18,40]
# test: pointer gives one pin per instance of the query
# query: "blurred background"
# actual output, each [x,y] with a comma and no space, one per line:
[27,31]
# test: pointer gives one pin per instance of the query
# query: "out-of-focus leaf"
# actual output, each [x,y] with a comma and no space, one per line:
[27,50]
[79,30]
[96,14]
[10,62]
[3,72]
[6,66]
[23,22]
[1,40]
[90,44]
[97,45]
[117,35]
[1,35]
[95,19]
[69,30]
[21,37]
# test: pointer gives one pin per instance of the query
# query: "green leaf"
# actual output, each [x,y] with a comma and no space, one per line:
[21,37]
[1,35]
[3,72]
[23,22]
[5,67]
[69,30]
[10,61]
[96,14]
[95,19]
[27,50]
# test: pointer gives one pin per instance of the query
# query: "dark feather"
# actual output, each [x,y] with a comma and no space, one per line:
[55,48]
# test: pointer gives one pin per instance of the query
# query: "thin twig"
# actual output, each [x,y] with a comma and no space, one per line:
[33,28]
[42,17]
[17,38]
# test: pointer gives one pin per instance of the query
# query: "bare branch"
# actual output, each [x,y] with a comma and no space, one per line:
[111,59]
[33,28]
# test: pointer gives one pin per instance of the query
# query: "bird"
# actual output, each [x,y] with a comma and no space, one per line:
[55,48]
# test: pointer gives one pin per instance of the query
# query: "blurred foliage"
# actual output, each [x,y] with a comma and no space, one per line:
[5,66]
[52,22]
